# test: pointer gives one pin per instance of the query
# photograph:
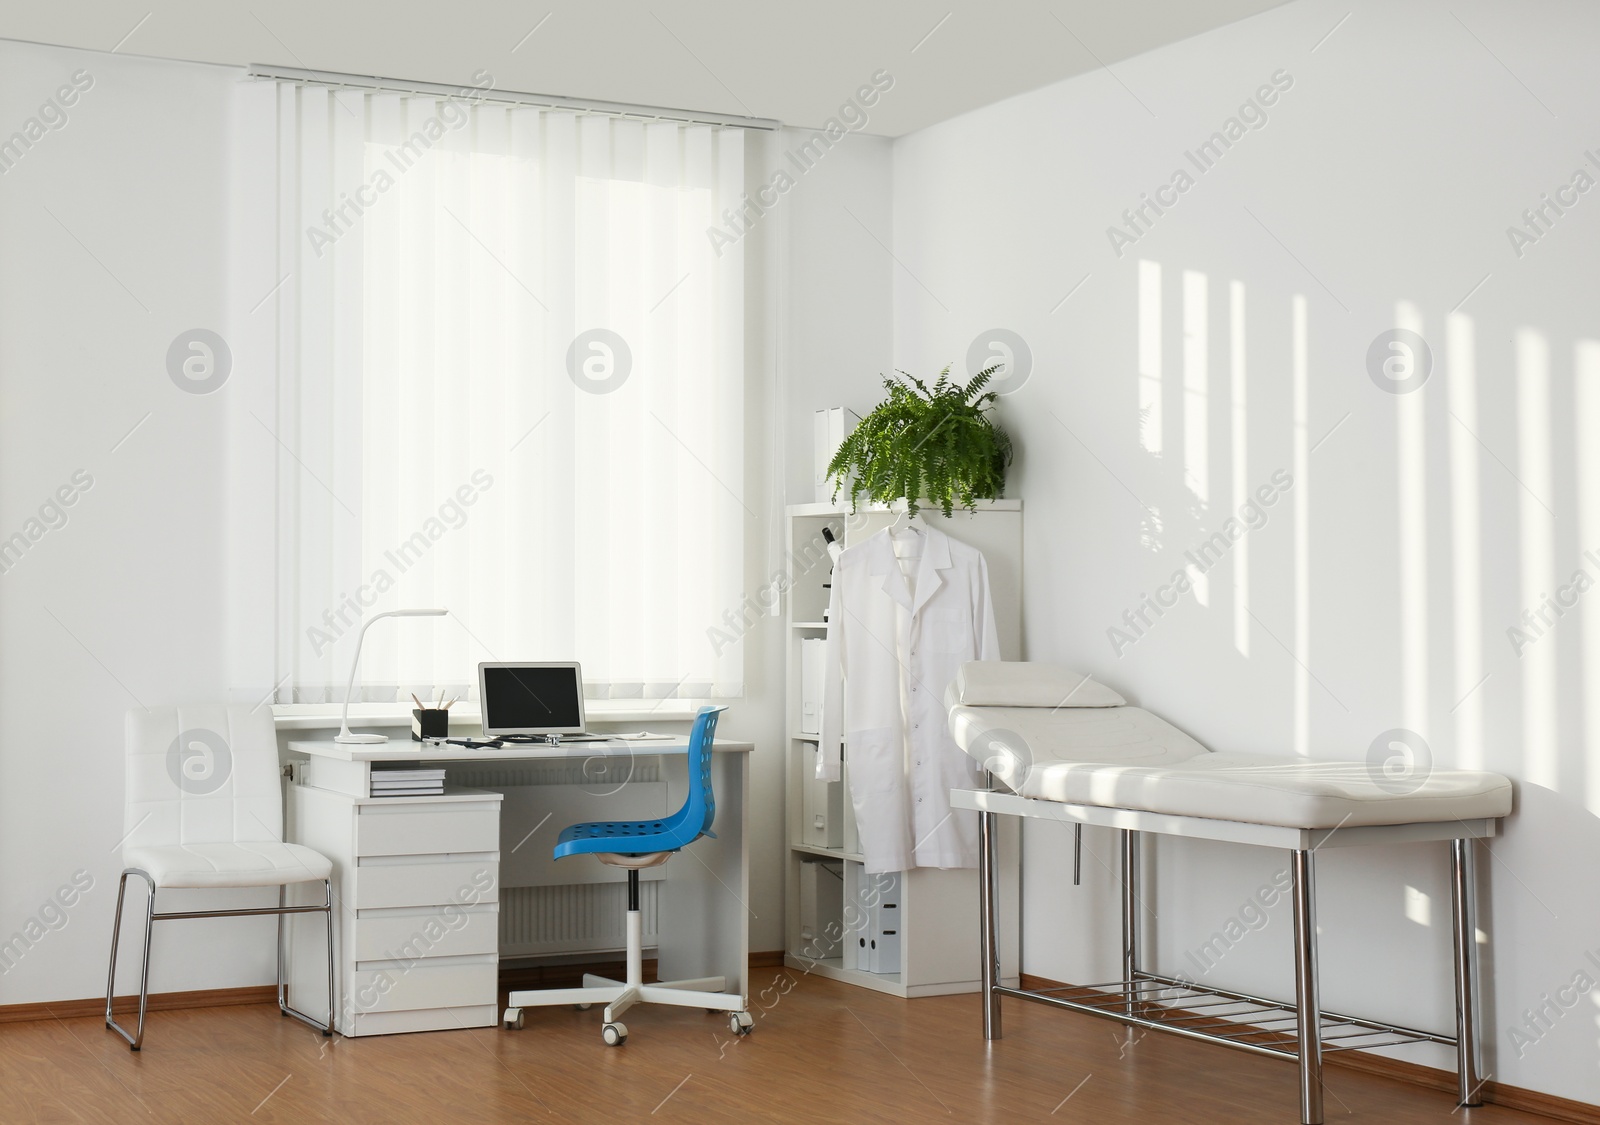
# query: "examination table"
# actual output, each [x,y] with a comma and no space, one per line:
[1071,750]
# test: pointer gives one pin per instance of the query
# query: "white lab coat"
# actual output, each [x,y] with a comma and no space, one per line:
[899,645]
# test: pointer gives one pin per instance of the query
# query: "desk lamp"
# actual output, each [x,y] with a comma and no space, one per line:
[344,734]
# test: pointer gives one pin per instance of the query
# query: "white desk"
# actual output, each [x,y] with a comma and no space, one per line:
[433,891]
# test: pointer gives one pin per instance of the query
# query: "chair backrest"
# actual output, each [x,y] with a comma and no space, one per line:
[202,774]
[701,807]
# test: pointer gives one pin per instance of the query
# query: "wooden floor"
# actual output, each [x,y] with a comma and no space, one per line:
[821,1052]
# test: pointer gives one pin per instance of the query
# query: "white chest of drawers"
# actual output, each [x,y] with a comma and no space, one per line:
[416,882]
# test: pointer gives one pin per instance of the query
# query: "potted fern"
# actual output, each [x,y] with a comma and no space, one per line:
[936,443]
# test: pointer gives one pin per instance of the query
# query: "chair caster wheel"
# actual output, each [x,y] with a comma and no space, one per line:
[615,1034]
[513,1019]
[582,1007]
[741,1023]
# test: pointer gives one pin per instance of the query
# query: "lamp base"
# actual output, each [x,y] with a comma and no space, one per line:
[365,739]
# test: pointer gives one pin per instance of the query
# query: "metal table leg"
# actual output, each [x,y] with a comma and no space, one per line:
[1464,902]
[1130,917]
[988,912]
[1308,1004]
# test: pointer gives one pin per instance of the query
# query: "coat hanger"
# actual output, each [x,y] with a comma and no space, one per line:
[905,520]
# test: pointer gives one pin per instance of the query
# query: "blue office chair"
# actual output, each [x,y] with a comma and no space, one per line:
[635,845]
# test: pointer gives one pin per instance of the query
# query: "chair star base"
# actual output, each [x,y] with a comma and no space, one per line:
[620,995]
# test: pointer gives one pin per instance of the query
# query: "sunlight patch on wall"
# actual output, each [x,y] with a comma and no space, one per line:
[1412,487]
[1196,412]
[1419,907]
[1586,364]
[1302,535]
[1465,539]
[1150,356]
[1196,378]
[1537,535]
[1241,446]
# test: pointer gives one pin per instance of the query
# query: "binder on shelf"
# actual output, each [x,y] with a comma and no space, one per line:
[821,805]
[884,934]
[856,916]
[828,431]
[872,911]
[821,910]
[813,654]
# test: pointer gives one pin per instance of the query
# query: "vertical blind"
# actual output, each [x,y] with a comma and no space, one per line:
[511,385]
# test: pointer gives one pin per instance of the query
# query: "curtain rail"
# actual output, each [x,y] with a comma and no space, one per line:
[374,84]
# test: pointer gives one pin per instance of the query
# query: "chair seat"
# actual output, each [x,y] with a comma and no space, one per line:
[624,837]
[262,863]
[633,861]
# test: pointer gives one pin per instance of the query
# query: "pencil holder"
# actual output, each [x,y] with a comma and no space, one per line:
[429,722]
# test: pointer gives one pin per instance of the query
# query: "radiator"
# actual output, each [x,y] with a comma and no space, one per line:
[577,918]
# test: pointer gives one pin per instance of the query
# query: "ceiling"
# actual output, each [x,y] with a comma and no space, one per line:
[795,62]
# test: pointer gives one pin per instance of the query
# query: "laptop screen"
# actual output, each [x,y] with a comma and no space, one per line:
[531,698]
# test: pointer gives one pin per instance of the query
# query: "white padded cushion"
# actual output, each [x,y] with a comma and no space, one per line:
[1027,683]
[1128,758]
[1013,743]
[257,864]
[202,774]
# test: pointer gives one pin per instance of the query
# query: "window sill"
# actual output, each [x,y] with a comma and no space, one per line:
[325,716]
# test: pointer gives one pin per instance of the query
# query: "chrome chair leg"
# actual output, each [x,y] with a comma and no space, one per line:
[116,935]
[283,989]
[136,1039]
[284,1007]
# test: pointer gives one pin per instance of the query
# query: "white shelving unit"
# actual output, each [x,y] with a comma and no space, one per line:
[826,886]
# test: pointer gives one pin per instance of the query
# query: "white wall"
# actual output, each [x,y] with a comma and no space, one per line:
[1381,588]
[838,327]
[137,598]
[113,228]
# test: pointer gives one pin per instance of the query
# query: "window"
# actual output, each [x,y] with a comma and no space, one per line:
[510,384]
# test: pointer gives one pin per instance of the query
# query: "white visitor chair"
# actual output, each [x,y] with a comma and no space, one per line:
[204,808]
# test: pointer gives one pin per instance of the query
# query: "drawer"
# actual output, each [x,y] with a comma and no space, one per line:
[422,1019]
[467,881]
[424,985]
[442,931]
[426,829]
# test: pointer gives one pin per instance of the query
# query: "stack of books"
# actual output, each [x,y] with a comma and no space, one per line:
[407,782]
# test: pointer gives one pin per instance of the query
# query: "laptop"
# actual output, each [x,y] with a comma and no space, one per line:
[533,701]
